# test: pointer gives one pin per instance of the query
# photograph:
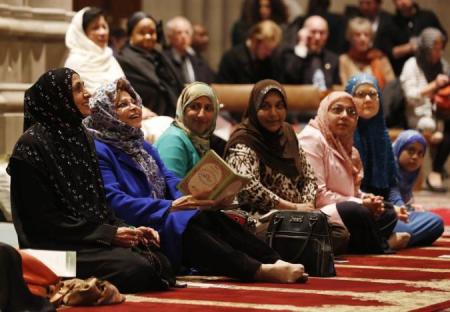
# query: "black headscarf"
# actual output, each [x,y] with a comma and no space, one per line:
[57,146]
[277,150]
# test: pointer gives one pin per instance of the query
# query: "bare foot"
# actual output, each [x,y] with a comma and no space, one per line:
[399,240]
[280,272]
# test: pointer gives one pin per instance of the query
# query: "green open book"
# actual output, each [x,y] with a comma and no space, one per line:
[212,178]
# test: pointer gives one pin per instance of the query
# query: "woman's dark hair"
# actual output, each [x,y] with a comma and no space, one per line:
[140,15]
[250,12]
[136,18]
[90,15]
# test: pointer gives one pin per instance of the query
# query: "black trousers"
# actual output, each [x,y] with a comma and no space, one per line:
[128,270]
[367,234]
[443,149]
[216,245]
[14,293]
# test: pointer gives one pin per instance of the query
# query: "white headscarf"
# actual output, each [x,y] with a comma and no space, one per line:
[94,64]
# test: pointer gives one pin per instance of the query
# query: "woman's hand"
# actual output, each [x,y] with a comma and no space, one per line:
[127,237]
[374,203]
[417,207]
[189,202]
[441,80]
[149,236]
[402,213]
[224,202]
[304,207]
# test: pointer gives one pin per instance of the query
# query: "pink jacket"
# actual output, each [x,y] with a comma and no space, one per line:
[334,181]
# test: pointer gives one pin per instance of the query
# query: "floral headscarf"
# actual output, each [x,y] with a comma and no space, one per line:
[105,126]
[189,94]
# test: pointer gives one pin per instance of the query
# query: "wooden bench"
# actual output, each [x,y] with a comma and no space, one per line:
[235,97]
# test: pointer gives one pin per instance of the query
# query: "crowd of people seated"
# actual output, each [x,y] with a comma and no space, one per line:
[84,178]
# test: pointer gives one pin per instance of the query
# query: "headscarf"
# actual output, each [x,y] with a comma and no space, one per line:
[278,150]
[105,126]
[427,39]
[95,65]
[373,143]
[58,147]
[344,147]
[190,93]
[407,179]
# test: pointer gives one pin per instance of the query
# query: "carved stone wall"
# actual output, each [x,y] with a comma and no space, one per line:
[31,41]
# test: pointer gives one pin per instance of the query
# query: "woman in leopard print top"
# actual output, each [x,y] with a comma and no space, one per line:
[265,148]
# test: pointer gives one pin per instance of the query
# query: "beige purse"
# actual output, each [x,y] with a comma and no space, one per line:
[89,292]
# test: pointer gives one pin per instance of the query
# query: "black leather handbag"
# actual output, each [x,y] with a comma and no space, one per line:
[303,237]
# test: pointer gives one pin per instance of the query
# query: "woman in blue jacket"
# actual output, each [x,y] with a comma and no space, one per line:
[143,191]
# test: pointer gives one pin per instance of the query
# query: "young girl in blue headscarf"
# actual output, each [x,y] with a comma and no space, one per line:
[409,151]
[380,170]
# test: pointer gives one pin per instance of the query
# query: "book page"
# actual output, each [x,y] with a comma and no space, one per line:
[206,179]
[62,263]
[212,178]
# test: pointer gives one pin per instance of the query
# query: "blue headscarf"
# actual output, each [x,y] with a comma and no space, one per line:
[372,141]
[407,179]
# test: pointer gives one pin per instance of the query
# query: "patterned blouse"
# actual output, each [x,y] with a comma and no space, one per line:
[267,186]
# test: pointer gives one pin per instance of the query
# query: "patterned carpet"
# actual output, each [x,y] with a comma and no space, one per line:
[416,279]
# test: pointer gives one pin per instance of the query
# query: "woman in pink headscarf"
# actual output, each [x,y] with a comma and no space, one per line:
[328,143]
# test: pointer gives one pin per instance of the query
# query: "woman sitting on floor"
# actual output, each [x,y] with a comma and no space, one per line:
[142,191]
[409,151]
[265,148]
[380,172]
[328,143]
[57,193]
[183,144]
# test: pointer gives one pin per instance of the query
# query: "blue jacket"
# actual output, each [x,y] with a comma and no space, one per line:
[128,193]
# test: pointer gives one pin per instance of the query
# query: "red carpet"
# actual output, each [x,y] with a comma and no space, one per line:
[412,280]
[444,213]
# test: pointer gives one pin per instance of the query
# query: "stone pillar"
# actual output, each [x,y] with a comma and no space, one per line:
[32,41]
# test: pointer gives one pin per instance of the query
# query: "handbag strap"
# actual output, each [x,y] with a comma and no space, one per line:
[312,222]
[276,224]
[277,220]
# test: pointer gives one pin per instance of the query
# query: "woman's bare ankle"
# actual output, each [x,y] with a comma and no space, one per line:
[280,272]
[399,240]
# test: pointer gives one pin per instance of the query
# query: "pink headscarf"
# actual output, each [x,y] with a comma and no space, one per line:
[344,147]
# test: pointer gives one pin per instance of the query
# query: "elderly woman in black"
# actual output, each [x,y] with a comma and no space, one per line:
[57,194]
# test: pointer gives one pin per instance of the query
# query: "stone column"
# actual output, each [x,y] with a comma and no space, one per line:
[31,41]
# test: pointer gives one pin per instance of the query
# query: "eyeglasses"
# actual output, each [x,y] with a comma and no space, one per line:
[339,109]
[362,94]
